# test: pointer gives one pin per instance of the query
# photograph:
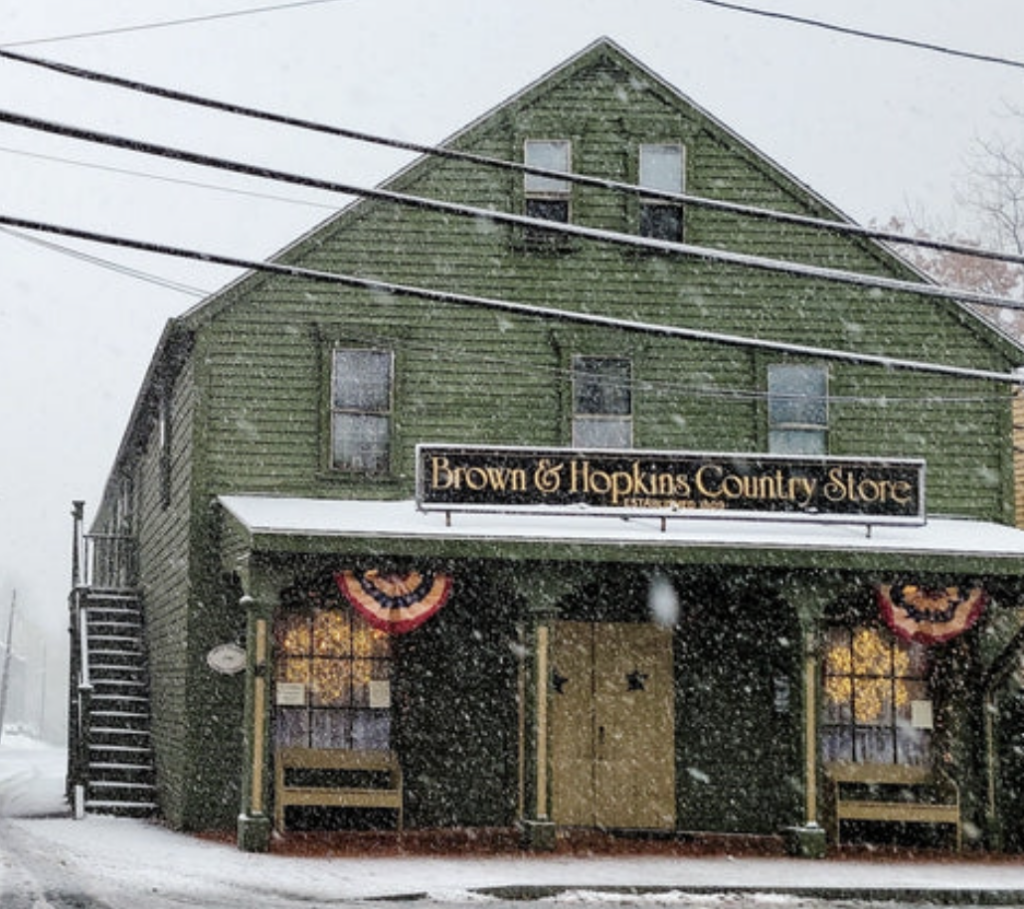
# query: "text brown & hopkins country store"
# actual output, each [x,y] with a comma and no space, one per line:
[856,489]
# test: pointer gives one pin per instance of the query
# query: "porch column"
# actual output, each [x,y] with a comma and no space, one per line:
[808,839]
[254,819]
[543,589]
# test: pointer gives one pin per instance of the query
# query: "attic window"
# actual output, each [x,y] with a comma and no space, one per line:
[661,169]
[547,198]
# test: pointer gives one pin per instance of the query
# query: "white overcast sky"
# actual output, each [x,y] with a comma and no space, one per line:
[876,128]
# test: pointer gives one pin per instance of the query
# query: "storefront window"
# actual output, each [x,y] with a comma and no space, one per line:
[877,708]
[333,681]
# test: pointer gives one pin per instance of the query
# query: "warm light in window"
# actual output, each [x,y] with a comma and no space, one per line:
[861,674]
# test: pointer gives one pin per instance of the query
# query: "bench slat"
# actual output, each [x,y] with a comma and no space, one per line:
[348,796]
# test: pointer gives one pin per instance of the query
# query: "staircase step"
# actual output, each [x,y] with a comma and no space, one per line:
[108,785]
[120,809]
[113,766]
[123,750]
[126,715]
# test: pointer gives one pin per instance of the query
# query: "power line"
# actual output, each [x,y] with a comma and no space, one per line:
[107,264]
[861,33]
[842,227]
[522,309]
[170,23]
[745,260]
[162,178]
[499,365]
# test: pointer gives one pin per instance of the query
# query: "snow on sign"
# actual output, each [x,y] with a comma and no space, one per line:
[855,490]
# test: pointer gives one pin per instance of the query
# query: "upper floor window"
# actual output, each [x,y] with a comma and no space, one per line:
[361,389]
[547,197]
[797,409]
[661,169]
[877,707]
[602,399]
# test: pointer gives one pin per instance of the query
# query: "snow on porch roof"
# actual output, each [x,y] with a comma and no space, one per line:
[300,524]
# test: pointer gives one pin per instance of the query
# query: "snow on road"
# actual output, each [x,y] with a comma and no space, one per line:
[121,856]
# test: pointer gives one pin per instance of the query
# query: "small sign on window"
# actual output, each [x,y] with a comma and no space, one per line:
[921,715]
[291,694]
[380,695]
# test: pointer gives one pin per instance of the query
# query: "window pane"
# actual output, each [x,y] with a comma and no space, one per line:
[590,433]
[797,396]
[547,210]
[332,683]
[362,380]
[292,726]
[661,167]
[661,222]
[331,634]
[361,442]
[550,154]
[331,729]
[807,442]
[371,729]
[602,386]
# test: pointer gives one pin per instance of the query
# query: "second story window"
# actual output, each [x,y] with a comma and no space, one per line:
[602,397]
[797,409]
[661,169]
[547,197]
[361,389]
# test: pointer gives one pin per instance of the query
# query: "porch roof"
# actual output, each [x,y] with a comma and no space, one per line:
[272,524]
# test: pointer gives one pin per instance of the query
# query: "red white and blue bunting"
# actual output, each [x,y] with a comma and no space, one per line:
[930,615]
[395,603]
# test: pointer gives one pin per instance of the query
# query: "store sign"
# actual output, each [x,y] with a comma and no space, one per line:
[453,478]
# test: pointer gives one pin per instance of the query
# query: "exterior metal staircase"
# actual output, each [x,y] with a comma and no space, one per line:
[110,761]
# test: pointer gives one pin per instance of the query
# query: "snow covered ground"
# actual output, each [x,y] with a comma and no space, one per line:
[117,855]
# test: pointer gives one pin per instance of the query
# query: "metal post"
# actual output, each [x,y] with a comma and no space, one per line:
[77,514]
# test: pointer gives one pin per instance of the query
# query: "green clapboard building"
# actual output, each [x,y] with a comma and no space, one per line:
[520,498]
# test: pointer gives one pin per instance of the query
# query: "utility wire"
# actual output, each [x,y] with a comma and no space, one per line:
[521,309]
[861,33]
[500,217]
[107,264]
[443,152]
[175,181]
[170,23]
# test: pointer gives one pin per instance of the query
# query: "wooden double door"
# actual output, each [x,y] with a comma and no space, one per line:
[612,726]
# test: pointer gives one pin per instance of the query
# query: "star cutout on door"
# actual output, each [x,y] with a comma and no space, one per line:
[558,682]
[636,680]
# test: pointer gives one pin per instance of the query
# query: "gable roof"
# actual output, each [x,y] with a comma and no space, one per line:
[603,51]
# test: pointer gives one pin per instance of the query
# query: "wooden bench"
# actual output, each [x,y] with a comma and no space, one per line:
[336,778]
[892,793]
